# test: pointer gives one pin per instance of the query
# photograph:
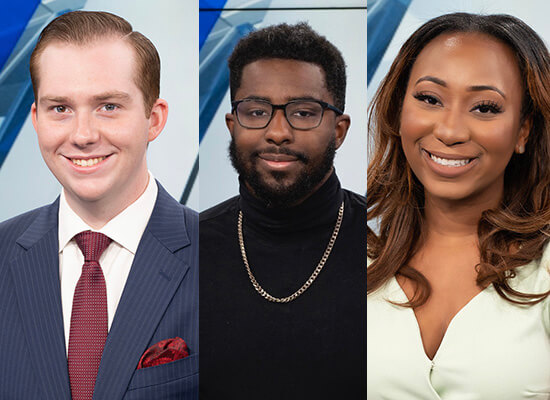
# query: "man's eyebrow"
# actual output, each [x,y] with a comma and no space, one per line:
[288,98]
[53,99]
[115,95]
[474,88]
[253,97]
[304,98]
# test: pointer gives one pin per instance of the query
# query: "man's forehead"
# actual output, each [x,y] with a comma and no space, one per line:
[96,67]
[283,79]
[62,55]
[282,63]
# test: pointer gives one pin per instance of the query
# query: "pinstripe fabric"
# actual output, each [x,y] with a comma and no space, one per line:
[159,301]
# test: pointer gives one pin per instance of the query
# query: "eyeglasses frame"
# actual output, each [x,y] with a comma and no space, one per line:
[324,105]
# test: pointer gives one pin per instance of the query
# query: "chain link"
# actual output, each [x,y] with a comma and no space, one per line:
[313,276]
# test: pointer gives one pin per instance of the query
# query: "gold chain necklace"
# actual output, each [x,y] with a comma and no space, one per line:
[313,276]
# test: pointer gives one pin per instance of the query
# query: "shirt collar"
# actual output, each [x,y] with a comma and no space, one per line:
[126,228]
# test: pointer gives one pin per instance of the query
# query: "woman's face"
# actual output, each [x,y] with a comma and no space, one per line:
[460,121]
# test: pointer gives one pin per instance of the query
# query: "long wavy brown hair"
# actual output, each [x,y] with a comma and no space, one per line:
[511,235]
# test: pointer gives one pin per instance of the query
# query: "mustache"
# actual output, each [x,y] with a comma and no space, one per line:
[282,150]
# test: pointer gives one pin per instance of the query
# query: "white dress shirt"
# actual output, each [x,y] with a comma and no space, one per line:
[125,230]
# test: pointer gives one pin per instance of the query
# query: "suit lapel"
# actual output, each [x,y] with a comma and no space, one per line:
[36,280]
[155,275]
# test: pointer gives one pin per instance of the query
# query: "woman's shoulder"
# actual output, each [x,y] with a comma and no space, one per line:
[534,277]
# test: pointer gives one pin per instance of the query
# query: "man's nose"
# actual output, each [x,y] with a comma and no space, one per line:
[85,131]
[279,130]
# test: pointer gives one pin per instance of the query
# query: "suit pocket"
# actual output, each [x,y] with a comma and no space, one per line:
[165,373]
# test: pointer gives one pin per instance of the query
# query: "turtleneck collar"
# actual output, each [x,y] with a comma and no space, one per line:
[320,208]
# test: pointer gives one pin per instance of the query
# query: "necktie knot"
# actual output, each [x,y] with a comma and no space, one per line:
[92,244]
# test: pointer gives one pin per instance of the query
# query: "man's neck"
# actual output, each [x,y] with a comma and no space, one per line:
[97,214]
[299,201]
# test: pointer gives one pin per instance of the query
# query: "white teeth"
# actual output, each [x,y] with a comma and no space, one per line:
[450,163]
[87,163]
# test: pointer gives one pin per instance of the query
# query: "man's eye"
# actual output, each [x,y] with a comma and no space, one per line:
[258,113]
[305,113]
[60,109]
[110,107]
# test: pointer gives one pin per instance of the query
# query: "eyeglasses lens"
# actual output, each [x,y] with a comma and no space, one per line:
[300,114]
[304,114]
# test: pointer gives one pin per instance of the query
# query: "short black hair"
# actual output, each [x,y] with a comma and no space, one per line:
[293,42]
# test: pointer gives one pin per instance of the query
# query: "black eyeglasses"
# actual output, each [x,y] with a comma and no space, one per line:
[300,114]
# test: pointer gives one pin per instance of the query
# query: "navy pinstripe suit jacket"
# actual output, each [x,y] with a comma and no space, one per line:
[159,301]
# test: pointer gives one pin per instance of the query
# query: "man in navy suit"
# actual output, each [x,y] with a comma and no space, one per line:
[97,106]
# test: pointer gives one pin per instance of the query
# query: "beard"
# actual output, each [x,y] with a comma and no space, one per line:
[281,193]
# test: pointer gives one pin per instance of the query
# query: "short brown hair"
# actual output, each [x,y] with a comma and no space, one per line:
[85,27]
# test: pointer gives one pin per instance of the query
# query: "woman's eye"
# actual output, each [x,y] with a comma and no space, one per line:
[487,107]
[426,98]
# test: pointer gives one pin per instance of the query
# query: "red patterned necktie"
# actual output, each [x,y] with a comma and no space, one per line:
[89,317]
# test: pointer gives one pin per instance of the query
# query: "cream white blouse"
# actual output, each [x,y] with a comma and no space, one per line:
[492,349]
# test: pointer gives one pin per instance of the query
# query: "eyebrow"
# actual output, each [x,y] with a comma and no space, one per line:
[475,88]
[112,95]
[115,95]
[287,99]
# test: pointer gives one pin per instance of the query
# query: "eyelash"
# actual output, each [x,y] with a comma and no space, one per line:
[423,97]
[116,106]
[492,106]
[54,108]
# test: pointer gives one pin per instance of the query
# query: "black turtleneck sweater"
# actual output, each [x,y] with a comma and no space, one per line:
[310,348]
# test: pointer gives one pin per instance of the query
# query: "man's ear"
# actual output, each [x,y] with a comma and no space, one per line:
[230,122]
[157,119]
[341,128]
[33,115]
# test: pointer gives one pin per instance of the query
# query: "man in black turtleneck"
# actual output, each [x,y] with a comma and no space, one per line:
[283,265]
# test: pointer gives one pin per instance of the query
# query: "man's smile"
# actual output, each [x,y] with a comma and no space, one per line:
[87,162]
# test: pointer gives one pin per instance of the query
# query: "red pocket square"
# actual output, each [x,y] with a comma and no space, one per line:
[163,352]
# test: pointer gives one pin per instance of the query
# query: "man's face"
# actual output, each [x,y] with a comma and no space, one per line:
[282,165]
[91,123]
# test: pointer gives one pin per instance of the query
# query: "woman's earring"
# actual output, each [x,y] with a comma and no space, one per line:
[520,149]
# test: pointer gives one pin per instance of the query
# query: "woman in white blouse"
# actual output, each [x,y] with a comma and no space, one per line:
[459,186]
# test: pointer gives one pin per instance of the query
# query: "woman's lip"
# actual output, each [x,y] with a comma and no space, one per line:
[449,156]
[447,171]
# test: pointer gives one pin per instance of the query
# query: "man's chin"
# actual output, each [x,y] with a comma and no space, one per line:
[277,192]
